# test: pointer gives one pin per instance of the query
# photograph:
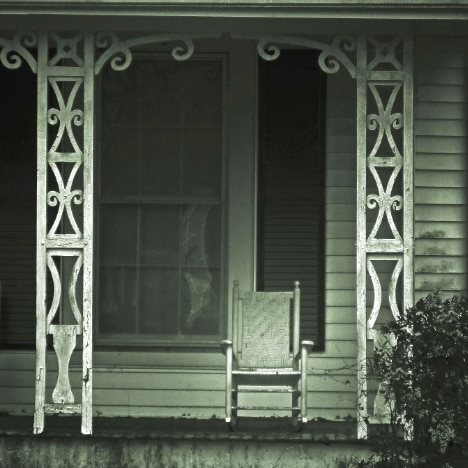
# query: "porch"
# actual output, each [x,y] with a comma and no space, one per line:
[174,387]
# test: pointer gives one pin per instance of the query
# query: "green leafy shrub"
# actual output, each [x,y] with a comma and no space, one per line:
[426,386]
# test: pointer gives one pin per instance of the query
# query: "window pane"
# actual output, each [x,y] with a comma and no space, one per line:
[200,301]
[159,84]
[118,233]
[118,96]
[160,166]
[159,293]
[200,243]
[159,236]
[201,236]
[119,167]
[117,300]
[202,93]
[202,162]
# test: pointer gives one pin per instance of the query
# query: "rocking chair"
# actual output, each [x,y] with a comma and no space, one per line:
[259,359]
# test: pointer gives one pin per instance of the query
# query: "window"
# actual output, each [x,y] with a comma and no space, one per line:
[161,202]
[291,182]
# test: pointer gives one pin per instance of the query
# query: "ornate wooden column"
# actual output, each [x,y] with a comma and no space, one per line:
[64,275]
[384,188]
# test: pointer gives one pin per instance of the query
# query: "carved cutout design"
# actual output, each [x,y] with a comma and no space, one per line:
[385,202]
[67,49]
[383,122]
[64,198]
[64,344]
[65,115]
[392,290]
[57,282]
[385,52]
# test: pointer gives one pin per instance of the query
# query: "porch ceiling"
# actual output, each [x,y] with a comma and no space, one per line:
[331,9]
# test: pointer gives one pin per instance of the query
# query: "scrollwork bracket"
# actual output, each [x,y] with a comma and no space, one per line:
[119,51]
[330,58]
[13,51]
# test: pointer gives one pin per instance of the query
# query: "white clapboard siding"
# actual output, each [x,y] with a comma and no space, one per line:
[441,165]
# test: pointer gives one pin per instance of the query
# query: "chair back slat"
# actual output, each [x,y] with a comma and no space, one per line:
[265,333]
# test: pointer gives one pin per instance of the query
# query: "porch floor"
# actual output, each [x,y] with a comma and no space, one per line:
[272,429]
[154,442]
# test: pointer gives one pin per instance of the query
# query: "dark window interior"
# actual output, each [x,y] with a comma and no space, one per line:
[291,183]
[17,207]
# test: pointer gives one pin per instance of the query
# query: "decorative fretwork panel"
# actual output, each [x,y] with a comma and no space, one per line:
[65,213]
[384,194]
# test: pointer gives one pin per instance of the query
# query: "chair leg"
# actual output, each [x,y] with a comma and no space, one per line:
[232,423]
[296,413]
[231,412]
[304,353]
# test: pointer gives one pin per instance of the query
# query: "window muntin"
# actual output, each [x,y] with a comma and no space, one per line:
[161,201]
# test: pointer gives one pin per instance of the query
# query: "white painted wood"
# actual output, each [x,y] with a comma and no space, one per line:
[361,112]
[41,265]
[88,233]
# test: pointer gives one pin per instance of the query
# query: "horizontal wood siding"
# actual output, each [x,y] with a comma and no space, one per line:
[441,164]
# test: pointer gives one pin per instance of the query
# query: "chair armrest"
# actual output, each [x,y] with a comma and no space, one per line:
[226,346]
[304,350]
[307,345]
